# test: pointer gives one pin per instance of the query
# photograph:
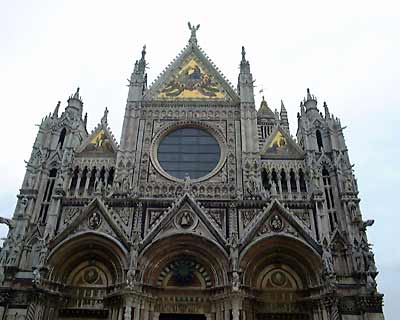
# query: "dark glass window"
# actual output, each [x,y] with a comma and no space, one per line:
[189,152]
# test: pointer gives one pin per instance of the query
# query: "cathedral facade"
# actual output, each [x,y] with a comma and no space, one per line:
[207,209]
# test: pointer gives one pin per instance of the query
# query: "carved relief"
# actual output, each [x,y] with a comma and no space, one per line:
[94,220]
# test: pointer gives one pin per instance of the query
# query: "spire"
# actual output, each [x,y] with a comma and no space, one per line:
[85,120]
[75,104]
[138,82]
[327,114]
[55,112]
[245,82]
[311,101]
[193,30]
[284,117]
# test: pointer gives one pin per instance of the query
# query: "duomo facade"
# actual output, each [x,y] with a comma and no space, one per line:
[207,208]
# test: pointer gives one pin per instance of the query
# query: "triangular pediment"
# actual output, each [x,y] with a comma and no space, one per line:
[100,143]
[191,76]
[280,145]
[94,218]
[276,220]
[184,217]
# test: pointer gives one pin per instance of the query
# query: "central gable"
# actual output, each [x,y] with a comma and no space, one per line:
[191,77]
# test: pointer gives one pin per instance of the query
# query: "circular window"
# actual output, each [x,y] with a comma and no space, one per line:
[189,152]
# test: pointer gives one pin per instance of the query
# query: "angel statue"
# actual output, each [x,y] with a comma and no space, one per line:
[193,30]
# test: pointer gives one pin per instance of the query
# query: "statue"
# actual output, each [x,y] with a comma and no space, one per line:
[352,209]
[4,252]
[255,188]
[369,259]
[235,281]
[193,30]
[59,180]
[327,259]
[133,263]
[234,252]
[43,252]
[358,257]
[36,281]
[348,185]
[94,220]
[188,184]
[274,189]
[23,203]
[130,278]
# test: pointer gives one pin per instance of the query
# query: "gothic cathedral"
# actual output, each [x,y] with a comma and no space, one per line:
[207,209]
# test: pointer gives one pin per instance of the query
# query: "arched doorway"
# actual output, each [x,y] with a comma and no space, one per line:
[182,272]
[281,271]
[84,270]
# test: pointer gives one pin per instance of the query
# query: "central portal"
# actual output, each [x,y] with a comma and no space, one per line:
[181,316]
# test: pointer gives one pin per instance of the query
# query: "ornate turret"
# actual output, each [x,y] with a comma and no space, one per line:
[245,83]
[138,81]
[310,102]
[75,104]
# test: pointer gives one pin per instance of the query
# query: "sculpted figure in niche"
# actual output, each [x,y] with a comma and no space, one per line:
[353,209]
[186,220]
[94,220]
[133,264]
[188,184]
[276,223]
[327,259]
[23,203]
[4,252]
[234,252]
[358,257]
[369,259]
[348,185]
[42,252]
[235,281]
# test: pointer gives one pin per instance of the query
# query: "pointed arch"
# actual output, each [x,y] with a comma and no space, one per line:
[61,139]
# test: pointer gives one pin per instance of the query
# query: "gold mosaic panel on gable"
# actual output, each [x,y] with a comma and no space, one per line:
[192,81]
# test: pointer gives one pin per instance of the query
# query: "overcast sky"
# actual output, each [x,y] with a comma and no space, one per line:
[346,52]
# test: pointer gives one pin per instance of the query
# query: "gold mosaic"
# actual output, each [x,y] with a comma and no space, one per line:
[192,82]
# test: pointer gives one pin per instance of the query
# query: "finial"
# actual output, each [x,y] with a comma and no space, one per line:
[85,120]
[308,94]
[282,105]
[55,113]
[104,119]
[243,54]
[143,52]
[76,95]
[327,114]
[193,30]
